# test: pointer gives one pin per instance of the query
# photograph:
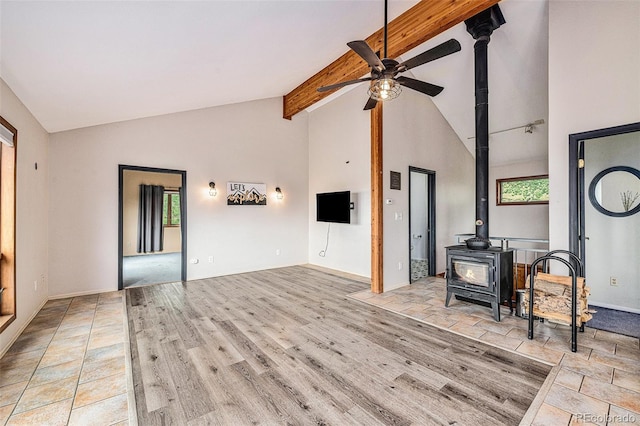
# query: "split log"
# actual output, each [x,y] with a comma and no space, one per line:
[552,299]
[560,304]
[553,283]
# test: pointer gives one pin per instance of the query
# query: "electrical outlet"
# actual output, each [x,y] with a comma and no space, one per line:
[35,285]
[210,259]
[399,266]
[277,252]
[613,281]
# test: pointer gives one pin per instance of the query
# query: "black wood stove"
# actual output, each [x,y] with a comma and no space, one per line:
[484,276]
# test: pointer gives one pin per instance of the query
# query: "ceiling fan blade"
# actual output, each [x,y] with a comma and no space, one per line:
[371,104]
[342,84]
[362,48]
[420,86]
[444,49]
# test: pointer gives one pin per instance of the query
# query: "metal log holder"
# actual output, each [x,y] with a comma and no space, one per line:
[579,271]
[574,290]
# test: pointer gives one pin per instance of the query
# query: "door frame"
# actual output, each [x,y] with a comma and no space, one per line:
[183,217]
[431,218]
[577,185]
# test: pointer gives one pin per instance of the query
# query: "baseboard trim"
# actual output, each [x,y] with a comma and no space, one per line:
[616,307]
[80,293]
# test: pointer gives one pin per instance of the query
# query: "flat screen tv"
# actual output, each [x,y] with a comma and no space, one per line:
[333,207]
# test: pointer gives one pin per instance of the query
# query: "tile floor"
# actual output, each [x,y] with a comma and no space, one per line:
[68,366]
[599,384]
[419,269]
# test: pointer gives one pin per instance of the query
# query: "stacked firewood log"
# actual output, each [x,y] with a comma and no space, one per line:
[552,299]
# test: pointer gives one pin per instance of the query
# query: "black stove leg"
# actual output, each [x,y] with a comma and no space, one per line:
[495,307]
[446,301]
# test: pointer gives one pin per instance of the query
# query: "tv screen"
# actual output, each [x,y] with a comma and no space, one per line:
[334,207]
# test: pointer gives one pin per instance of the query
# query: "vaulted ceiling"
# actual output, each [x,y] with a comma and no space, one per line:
[76,64]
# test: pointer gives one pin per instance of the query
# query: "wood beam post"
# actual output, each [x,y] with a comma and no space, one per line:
[422,22]
[377,284]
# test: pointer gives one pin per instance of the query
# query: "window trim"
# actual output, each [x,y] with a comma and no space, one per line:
[499,182]
[169,194]
[8,168]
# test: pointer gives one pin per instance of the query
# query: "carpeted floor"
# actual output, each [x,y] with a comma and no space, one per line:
[150,269]
[620,322]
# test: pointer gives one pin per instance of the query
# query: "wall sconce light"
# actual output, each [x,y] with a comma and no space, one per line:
[212,189]
[279,194]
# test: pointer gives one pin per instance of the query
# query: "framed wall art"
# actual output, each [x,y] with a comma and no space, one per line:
[246,194]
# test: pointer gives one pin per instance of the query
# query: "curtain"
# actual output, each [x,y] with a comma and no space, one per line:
[150,229]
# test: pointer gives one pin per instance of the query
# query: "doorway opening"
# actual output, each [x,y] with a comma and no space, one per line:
[151,226]
[422,223]
[604,217]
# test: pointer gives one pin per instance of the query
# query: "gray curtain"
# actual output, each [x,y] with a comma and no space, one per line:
[150,229]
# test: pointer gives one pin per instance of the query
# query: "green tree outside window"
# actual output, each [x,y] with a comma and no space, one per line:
[171,209]
[523,190]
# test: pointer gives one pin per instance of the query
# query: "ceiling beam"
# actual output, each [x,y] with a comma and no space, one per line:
[415,26]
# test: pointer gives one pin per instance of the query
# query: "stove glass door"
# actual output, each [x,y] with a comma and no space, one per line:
[475,273]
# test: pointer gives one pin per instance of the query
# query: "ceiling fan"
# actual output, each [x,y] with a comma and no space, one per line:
[385,82]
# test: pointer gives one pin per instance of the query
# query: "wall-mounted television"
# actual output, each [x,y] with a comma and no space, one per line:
[333,207]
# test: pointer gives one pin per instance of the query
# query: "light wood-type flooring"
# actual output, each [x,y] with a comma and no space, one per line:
[287,346]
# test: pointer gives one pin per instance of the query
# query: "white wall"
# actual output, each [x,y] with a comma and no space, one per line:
[416,134]
[31,213]
[530,221]
[594,82]
[248,142]
[613,247]
[339,160]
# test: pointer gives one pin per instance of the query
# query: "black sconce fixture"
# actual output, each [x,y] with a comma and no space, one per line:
[212,189]
[279,194]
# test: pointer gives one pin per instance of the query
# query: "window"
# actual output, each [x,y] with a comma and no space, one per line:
[171,208]
[8,146]
[522,190]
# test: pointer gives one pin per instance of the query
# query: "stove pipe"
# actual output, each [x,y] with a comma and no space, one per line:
[481,27]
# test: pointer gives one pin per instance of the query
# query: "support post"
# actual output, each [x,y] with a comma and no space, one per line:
[377,285]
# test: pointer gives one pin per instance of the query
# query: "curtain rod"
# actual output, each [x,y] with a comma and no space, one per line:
[528,128]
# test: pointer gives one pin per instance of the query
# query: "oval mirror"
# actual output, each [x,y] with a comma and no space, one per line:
[616,191]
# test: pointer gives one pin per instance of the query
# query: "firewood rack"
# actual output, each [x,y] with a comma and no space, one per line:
[552,255]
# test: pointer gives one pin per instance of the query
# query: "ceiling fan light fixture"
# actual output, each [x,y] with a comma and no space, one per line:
[384,84]
[385,89]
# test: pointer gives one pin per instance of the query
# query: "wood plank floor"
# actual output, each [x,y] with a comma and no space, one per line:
[286,346]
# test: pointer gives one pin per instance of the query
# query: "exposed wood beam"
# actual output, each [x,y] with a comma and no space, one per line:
[420,23]
[377,285]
